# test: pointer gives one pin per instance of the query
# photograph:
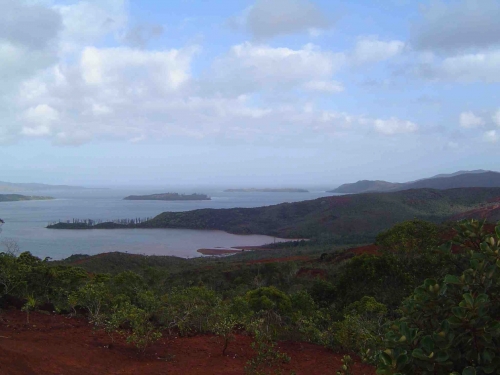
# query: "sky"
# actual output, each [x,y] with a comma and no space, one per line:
[247,92]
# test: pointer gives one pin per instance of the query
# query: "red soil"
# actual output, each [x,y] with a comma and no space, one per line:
[55,344]
[491,212]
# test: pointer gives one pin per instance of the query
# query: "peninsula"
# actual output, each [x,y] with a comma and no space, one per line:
[19,197]
[168,197]
[252,190]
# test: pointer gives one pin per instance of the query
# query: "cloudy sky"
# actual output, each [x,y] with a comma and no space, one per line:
[247,92]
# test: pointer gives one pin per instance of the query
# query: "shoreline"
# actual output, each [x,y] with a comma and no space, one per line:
[232,250]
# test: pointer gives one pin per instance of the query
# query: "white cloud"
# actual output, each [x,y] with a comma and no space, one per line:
[372,50]
[39,120]
[491,136]
[266,19]
[136,70]
[395,126]
[469,120]
[481,67]
[88,21]
[324,86]
[496,118]
[82,92]
[252,67]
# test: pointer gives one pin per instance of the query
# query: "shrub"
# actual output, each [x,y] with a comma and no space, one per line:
[270,305]
[143,330]
[190,310]
[410,237]
[451,327]
[95,298]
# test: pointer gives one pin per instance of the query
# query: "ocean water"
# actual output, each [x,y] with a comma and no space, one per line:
[25,222]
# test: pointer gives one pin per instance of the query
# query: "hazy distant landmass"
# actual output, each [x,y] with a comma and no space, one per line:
[19,197]
[12,186]
[267,190]
[169,197]
[461,179]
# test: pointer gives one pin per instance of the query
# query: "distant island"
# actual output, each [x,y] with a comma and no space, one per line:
[19,197]
[461,179]
[252,190]
[168,197]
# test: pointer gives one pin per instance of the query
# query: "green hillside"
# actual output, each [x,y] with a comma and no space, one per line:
[360,215]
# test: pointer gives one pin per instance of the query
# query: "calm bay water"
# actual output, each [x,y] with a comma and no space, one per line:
[25,222]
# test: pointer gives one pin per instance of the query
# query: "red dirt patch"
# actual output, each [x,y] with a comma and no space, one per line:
[491,212]
[55,344]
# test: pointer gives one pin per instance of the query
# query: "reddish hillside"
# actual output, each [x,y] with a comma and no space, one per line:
[491,213]
[55,344]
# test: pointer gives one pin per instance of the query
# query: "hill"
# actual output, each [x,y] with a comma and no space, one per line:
[360,215]
[366,186]
[461,179]
[19,197]
[356,218]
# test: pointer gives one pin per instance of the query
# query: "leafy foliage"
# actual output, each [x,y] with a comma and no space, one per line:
[451,326]
[410,237]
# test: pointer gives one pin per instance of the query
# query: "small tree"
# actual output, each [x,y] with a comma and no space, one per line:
[223,324]
[30,305]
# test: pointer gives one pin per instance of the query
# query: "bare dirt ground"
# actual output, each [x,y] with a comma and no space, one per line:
[58,345]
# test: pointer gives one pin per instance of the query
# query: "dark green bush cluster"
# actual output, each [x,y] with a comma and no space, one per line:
[451,326]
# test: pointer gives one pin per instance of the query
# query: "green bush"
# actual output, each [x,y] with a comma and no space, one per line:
[361,329]
[410,237]
[451,327]
[190,310]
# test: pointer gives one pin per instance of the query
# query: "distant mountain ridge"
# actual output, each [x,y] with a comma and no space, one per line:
[12,186]
[460,179]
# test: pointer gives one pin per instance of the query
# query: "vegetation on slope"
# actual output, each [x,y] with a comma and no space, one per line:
[361,216]
[346,303]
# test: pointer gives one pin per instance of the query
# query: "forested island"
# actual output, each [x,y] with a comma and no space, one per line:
[168,197]
[19,197]
[267,190]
